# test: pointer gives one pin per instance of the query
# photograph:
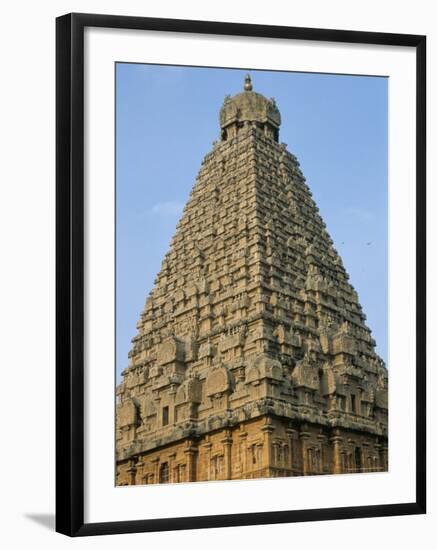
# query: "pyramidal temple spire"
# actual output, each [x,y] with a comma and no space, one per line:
[252,357]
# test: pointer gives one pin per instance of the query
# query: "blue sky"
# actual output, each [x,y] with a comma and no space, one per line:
[166,121]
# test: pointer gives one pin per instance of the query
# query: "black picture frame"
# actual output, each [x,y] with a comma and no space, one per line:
[70,273]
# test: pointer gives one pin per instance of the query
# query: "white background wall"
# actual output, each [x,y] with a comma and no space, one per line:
[27,123]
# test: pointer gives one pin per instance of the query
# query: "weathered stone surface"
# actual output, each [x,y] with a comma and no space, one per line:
[169,351]
[218,381]
[252,357]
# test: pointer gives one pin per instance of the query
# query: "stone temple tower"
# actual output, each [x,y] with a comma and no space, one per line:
[252,357]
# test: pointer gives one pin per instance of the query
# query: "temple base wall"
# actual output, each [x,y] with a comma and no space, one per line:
[262,448]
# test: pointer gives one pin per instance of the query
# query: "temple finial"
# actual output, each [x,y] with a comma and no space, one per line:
[248,83]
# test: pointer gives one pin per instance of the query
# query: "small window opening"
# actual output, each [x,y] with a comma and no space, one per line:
[358,464]
[164,473]
[165,416]
[353,403]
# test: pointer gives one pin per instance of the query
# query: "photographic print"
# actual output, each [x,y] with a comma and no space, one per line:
[251,274]
[240,255]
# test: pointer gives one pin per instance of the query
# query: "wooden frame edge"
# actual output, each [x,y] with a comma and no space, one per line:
[70,275]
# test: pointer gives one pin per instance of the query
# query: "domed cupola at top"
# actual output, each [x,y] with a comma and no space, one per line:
[249,107]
